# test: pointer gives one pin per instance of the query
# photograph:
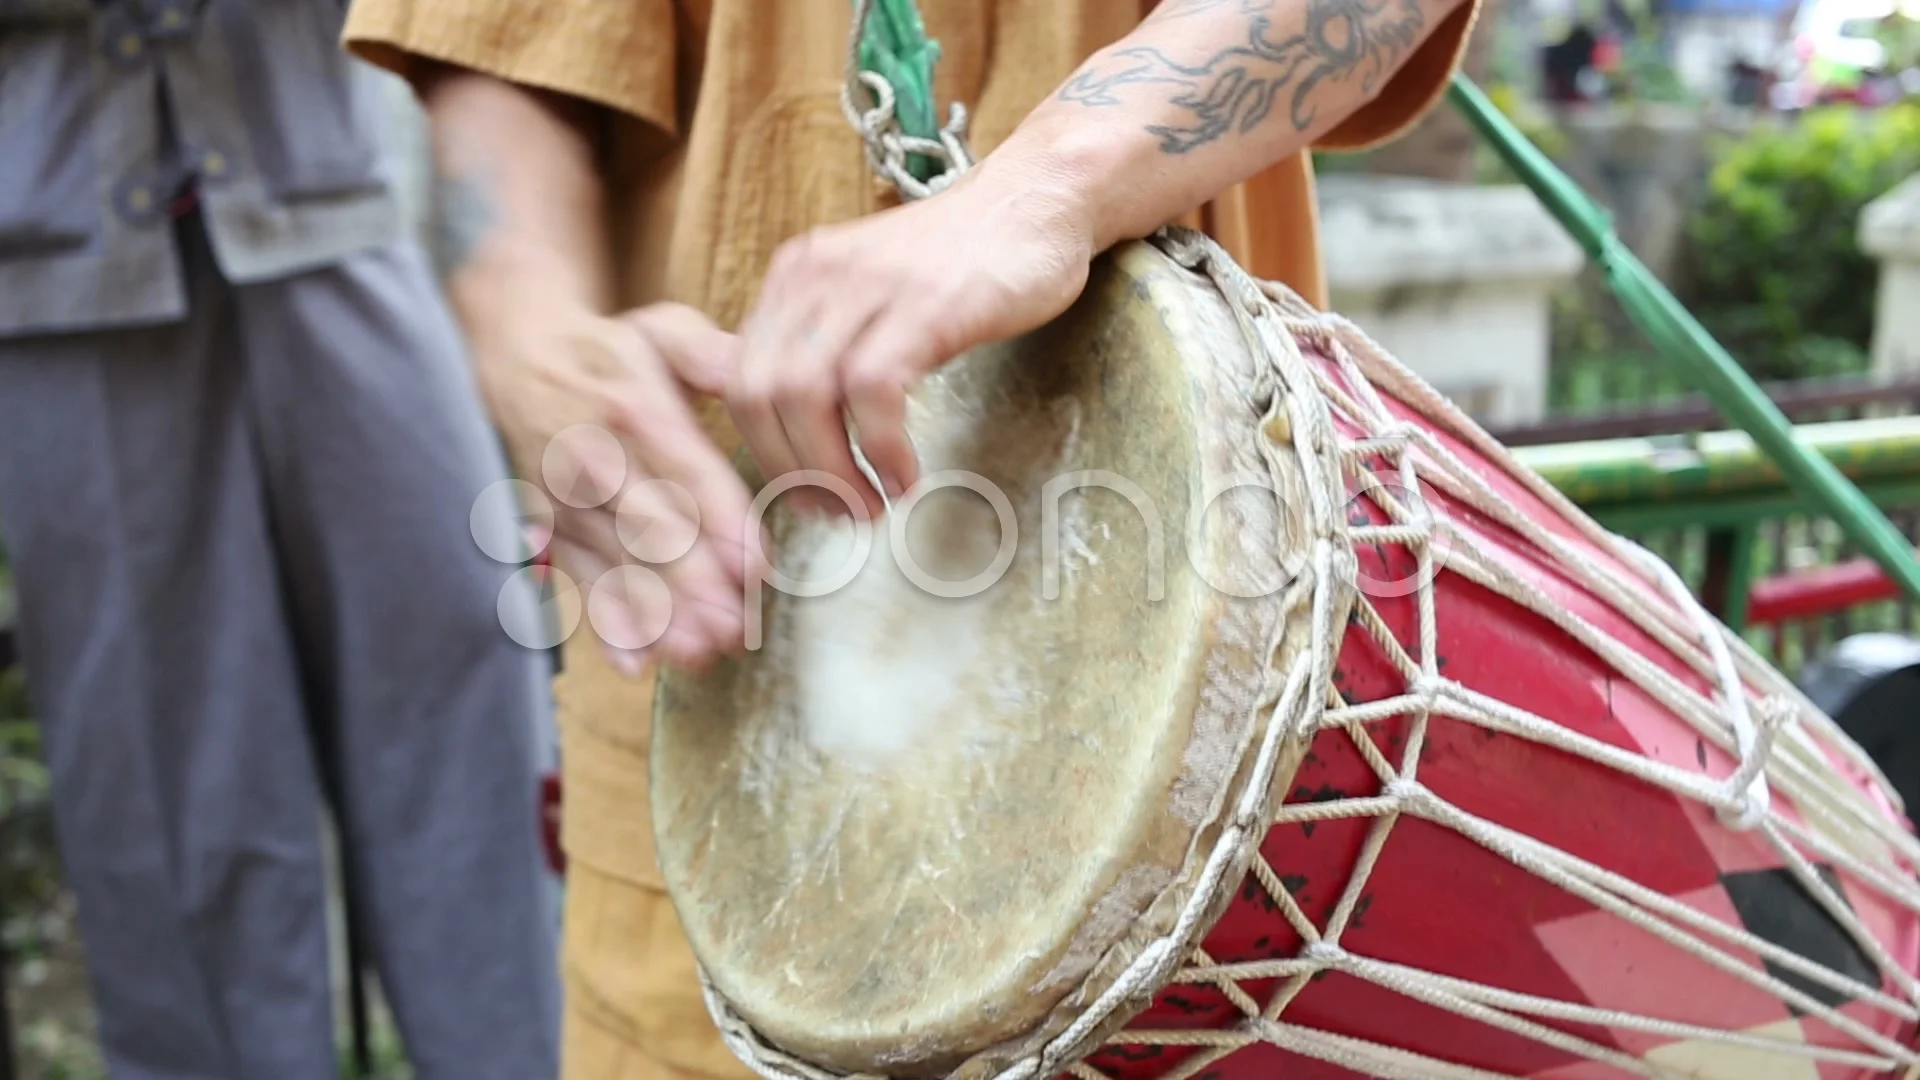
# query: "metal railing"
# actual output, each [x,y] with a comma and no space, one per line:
[1713,505]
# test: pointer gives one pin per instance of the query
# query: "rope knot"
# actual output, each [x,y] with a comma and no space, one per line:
[1747,790]
[1746,813]
[1428,688]
[1407,793]
[1322,953]
[1402,432]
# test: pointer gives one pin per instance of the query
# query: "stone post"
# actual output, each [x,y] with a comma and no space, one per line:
[1890,233]
[1454,281]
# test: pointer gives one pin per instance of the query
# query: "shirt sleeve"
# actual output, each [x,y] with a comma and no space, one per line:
[620,55]
[1414,89]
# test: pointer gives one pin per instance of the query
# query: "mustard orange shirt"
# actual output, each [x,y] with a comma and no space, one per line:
[730,139]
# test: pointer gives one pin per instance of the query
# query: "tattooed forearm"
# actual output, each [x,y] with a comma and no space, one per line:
[1236,89]
[463,214]
[1176,9]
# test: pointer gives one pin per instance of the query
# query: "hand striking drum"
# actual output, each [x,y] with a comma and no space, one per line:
[1304,733]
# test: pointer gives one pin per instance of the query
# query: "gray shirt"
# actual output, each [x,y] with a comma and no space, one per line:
[110,108]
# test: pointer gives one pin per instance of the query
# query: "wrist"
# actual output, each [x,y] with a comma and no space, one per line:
[1100,181]
[515,313]
[507,285]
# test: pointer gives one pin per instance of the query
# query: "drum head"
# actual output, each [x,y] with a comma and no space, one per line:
[913,830]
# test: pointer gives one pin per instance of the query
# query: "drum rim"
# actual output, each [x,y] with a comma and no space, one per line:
[1141,957]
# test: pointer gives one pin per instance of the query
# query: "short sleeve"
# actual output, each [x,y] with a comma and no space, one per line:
[1414,89]
[619,54]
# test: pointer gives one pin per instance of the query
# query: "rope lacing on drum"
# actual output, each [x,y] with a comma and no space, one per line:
[1837,827]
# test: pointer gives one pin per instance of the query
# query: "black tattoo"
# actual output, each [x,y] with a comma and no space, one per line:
[1235,90]
[1179,9]
[462,216]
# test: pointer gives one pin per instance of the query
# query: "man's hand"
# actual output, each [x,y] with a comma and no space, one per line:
[852,315]
[649,518]
[595,410]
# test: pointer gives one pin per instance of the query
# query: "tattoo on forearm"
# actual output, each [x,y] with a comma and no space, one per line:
[1235,90]
[1178,9]
[462,216]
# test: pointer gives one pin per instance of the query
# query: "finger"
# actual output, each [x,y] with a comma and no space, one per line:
[664,439]
[776,359]
[896,349]
[583,563]
[700,354]
[812,409]
[683,611]
[657,523]
[877,400]
[723,508]
[708,621]
[750,400]
[659,526]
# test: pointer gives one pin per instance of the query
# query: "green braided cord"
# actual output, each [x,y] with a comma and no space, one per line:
[895,46]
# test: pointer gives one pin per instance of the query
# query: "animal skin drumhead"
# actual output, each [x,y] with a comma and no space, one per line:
[941,805]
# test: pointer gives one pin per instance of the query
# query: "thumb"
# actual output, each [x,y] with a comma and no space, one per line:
[702,355]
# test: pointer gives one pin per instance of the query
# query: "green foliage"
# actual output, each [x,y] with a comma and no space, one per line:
[29,867]
[1774,267]
[1900,36]
[1644,75]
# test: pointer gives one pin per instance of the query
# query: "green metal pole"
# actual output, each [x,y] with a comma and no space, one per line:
[1682,340]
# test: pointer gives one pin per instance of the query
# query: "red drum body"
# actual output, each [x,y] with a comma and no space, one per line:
[1439,902]
[1469,789]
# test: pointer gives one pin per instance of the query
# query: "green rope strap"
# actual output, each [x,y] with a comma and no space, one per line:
[895,46]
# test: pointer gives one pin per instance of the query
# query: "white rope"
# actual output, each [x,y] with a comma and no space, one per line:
[1781,790]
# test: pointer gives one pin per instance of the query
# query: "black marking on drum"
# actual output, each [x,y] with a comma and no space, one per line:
[1251,891]
[1134,1051]
[1293,884]
[1774,906]
[1323,793]
[1359,919]
[1700,752]
[1185,1005]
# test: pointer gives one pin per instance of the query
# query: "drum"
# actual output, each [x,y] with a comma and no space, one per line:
[1225,704]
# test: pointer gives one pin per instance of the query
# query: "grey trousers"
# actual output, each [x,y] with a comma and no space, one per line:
[246,568]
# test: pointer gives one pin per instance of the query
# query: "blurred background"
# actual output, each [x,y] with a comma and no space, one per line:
[1761,156]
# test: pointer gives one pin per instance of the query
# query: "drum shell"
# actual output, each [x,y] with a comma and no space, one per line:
[1438,902]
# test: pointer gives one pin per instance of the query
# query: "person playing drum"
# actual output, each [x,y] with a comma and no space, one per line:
[621,181]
